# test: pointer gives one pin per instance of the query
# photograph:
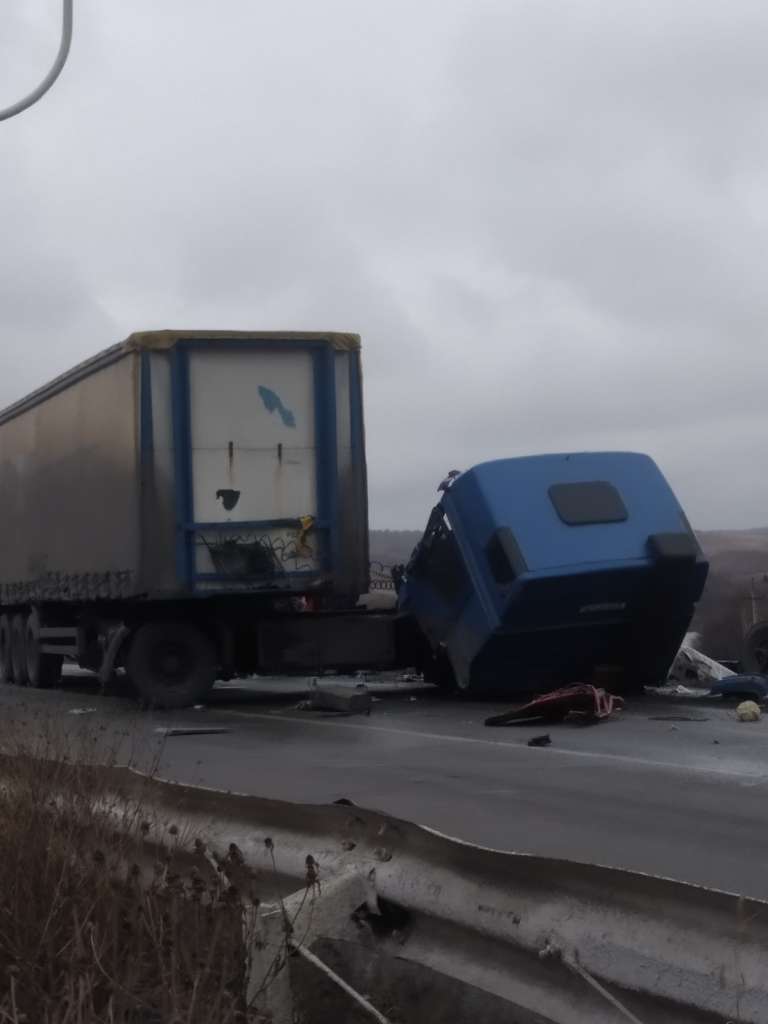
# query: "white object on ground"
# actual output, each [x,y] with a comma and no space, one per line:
[678,690]
[748,711]
[691,666]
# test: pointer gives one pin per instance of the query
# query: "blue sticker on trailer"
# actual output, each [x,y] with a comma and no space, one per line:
[273,403]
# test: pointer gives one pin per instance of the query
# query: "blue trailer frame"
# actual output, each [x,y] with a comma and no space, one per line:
[324,391]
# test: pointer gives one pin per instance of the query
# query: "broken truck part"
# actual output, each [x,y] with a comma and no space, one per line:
[550,570]
[580,703]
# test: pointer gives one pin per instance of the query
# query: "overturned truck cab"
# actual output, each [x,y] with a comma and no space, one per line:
[540,571]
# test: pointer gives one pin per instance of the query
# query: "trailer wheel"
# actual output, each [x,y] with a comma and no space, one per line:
[171,664]
[437,670]
[43,670]
[18,650]
[6,662]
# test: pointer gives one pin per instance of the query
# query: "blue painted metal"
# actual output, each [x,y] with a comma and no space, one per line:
[182,463]
[566,598]
[146,426]
[325,447]
[359,466]
[357,430]
[753,686]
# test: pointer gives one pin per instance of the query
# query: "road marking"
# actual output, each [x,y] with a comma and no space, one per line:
[550,752]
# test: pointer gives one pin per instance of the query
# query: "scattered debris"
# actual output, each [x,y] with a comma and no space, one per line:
[191,731]
[678,718]
[749,686]
[340,699]
[413,699]
[677,690]
[581,703]
[199,707]
[748,711]
[81,711]
[691,666]
[545,740]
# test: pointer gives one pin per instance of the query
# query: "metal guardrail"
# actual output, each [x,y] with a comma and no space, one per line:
[382,576]
[556,940]
[381,583]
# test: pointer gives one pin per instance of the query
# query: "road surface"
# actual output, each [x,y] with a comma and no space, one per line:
[687,798]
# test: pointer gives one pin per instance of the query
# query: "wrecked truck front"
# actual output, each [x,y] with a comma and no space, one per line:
[542,571]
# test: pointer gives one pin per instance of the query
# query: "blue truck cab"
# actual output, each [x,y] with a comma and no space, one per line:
[540,571]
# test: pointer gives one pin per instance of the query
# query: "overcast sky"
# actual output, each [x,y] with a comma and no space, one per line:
[547,219]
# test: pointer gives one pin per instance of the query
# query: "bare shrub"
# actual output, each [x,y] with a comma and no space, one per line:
[103,924]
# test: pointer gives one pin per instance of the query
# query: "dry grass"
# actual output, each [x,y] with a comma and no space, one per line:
[121,926]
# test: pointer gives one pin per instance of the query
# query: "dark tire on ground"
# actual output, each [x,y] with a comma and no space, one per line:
[171,664]
[6,661]
[438,671]
[43,670]
[18,649]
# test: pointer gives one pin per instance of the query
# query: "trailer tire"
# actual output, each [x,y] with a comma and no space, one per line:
[43,670]
[171,664]
[18,649]
[6,661]
[438,671]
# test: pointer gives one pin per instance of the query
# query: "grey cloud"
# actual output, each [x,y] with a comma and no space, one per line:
[548,221]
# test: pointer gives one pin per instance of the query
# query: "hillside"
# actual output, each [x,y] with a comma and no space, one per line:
[734,557]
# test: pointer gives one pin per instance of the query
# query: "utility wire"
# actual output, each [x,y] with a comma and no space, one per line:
[53,74]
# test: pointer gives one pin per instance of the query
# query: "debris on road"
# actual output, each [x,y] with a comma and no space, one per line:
[191,731]
[580,703]
[691,666]
[749,686]
[540,741]
[81,711]
[748,711]
[677,690]
[678,718]
[340,699]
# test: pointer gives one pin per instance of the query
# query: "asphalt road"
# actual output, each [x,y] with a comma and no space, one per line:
[686,799]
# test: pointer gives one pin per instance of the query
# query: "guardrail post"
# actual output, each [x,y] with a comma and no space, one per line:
[275,930]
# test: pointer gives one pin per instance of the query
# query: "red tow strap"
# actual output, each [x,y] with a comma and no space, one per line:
[580,702]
